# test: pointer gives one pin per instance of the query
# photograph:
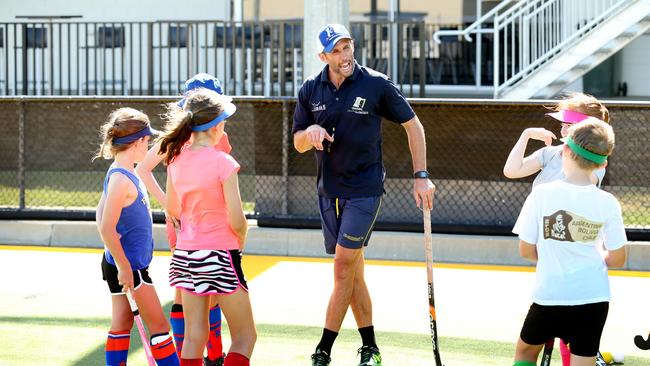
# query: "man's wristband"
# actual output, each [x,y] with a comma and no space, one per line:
[422,174]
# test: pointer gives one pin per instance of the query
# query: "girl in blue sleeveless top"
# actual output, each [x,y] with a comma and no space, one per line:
[125,225]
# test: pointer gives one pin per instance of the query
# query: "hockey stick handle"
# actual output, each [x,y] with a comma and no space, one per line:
[428,249]
[138,321]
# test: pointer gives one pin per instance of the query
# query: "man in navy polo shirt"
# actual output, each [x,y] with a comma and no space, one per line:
[339,113]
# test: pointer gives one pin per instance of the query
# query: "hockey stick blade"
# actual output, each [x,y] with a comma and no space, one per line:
[642,343]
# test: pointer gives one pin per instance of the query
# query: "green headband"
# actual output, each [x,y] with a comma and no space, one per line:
[591,156]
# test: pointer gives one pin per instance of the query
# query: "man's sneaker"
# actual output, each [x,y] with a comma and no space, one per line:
[320,358]
[370,356]
[217,362]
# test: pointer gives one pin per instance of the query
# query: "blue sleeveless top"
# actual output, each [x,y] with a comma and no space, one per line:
[134,225]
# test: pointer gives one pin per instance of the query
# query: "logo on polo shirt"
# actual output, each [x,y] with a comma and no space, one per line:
[317,107]
[358,105]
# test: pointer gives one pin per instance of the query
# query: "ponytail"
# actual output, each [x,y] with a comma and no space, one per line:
[201,106]
[178,130]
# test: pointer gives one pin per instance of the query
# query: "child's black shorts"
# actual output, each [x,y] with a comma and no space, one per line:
[109,273]
[580,326]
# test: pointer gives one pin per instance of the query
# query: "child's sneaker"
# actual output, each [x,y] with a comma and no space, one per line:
[370,356]
[217,362]
[320,358]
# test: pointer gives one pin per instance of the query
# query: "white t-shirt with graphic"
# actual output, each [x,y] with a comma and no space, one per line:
[550,158]
[568,223]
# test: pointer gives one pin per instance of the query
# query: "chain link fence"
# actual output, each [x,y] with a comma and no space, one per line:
[47,144]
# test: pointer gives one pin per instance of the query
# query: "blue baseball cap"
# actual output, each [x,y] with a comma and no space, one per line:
[201,80]
[330,34]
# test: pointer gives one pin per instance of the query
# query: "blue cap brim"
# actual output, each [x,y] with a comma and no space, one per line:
[229,110]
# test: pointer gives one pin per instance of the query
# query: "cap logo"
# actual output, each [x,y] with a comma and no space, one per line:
[330,32]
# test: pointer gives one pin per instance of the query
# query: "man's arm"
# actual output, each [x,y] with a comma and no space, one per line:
[423,189]
[313,136]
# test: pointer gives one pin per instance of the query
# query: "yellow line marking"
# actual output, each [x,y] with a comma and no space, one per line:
[256,264]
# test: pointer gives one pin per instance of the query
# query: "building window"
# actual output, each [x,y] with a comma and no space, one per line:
[177,36]
[2,37]
[36,37]
[110,37]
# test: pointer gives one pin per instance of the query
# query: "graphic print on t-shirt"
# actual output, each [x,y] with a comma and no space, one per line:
[566,226]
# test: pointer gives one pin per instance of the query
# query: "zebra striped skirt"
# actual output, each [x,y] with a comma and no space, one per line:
[207,272]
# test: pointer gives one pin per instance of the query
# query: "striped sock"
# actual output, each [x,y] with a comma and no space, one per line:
[214,346]
[163,351]
[117,347]
[178,326]
[236,359]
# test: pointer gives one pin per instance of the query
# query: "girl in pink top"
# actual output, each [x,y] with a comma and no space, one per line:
[214,347]
[203,192]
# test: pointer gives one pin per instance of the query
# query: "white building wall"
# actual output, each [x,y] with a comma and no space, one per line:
[117,10]
[634,67]
[111,70]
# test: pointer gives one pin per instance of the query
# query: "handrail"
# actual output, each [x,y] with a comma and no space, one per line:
[529,33]
[541,36]
[541,59]
[469,30]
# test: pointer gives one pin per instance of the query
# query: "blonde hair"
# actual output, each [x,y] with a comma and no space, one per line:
[594,135]
[121,122]
[201,106]
[585,104]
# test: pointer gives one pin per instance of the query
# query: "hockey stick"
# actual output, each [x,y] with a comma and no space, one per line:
[642,343]
[600,361]
[428,248]
[143,335]
[548,352]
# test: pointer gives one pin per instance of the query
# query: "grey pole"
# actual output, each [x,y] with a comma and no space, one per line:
[393,42]
[317,14]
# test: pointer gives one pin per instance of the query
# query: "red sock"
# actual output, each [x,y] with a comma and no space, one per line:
[214,346]
[191,362]
[236,359]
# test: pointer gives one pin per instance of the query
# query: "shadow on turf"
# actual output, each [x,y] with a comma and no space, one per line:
[97,355]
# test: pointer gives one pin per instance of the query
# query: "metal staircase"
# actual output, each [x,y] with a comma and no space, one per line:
[541,46]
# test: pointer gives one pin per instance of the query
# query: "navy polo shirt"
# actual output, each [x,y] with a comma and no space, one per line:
[352,165]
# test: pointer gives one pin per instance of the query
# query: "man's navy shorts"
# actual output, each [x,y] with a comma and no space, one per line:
[348,221]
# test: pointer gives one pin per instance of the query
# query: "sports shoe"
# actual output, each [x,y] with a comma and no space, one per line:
[370,356]
[320,358]
[217,362]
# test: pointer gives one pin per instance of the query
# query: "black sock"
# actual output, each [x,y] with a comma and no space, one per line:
[368,336]
[327,341]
